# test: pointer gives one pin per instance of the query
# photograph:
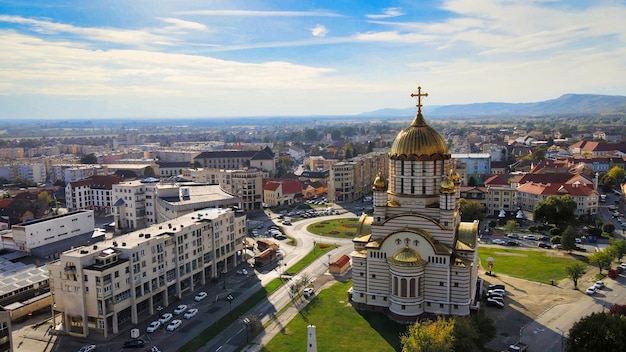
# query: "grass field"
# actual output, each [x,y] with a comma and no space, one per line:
[339,228]
[533,265]
[339,327]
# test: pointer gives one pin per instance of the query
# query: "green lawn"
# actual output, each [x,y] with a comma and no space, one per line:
[339,228]
[533,265]
[339,326]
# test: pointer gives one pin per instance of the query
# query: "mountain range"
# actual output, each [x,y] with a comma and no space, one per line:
[565,104]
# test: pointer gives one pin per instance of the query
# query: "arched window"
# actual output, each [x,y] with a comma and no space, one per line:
[403,288]
[412,288]
[419,287]
[395,286]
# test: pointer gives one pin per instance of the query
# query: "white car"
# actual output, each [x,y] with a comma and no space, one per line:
[599,285]
[530,237]
[181,308]
[200,296]
[498,241]
[165,318]
[591,290]
[87,348]
[191,313]
[242,272]
[154,326]
[308,292]
[497,291]
[175,324]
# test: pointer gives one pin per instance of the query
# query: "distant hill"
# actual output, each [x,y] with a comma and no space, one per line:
[565,104]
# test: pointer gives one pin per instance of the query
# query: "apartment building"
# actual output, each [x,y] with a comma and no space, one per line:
[246,183]
[114,284]
[94,192]
[352,179]
[263,159]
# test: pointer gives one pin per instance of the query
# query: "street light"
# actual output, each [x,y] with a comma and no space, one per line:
[230,303]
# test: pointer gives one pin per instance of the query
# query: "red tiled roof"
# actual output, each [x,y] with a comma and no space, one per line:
[575,189]
[271,186]
[6,202]
[292,187]
[496,180]
[342,260]
[97,181]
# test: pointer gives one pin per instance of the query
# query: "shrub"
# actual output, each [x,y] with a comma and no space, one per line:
[556,240]
[533,228]
[594,231]
[606,235]
[555,231]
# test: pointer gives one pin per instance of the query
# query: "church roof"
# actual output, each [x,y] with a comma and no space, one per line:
[406,257]
[362,239]
[359,254]
[466,234]
[364,227]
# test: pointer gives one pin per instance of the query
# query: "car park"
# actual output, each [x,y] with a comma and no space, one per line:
[191,313]
[591,290]
[181,308]
[154,326]
[175,324]
[495,303]
[87,348]
[496,287]
[165,318]
[138,343]
[200,296]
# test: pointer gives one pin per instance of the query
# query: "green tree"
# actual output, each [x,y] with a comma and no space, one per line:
[601,259]
[608,228]
[310,135]
[148,171]
[575,271]
[555,210]
[511,226]
[89,159]
[597,332]
[44,195]
[568,239]
[471,210]
[618,249]
[616,173]
[429,336]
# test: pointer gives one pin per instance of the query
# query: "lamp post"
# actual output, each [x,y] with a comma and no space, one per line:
[230,303]
[329,260]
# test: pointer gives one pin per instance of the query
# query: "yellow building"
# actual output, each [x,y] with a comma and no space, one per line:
[413,256]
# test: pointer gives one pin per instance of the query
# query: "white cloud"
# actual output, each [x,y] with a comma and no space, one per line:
[250,13]
[319,31]
[387,13]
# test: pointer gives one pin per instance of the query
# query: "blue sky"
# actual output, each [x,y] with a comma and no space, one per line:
[180,58]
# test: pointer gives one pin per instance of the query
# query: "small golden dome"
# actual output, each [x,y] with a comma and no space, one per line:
[419,141]
[380,184]
[447,186]
[406,257]
[455,177]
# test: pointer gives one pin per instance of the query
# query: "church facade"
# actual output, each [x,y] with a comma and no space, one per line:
[413,256]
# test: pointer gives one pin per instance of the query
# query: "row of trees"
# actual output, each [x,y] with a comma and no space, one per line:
[468,334]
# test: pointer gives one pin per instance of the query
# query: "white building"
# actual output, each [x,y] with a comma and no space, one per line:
[115,284]
[414,256]
[246,184]
[94,192]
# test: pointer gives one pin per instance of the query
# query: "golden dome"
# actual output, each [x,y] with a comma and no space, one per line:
[380,184]
[406,257]
[455,177]
[419,141]
[447,186]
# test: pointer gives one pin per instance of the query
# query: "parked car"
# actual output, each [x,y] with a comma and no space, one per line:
[308,292]
[591,290]
[580,248]
[496,287]
[578,240]
[544,245]
[175,324]
[154,326]
[530,237]
[512,243]
[87,348]
[200,296]
[165,318]
[191,313]
[498,241]
[286,222]
[181,308]
[495,295]
[138,343]
[242,272]
[495,303]
[497,290]
[513,235]
[599,285]
[544,239]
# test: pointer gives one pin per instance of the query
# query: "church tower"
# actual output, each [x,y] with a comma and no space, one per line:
[414,256]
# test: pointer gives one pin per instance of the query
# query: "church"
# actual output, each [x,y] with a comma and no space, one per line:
[413,257]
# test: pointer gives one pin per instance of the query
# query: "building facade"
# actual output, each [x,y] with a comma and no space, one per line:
[352,179]
[414,256]
[104,288]
[94,192]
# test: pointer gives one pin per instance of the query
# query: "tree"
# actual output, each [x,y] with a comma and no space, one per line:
[471,210]
[575,271]
[310,135]
[597,332]
[608,228]
[618,249]
[511,226]
[148,171]
[429,336]
[555,210]
[89,159]
[602,259]
[568,239]
[44,195]
[616,173]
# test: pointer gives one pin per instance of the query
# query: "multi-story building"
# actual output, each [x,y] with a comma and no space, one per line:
[352,179]
[78,172]
[413,256]
[104,288]
[6,337]
[33,172]
[500,195]
[281,192]
[584,194]
[172,168]
[94,192]
[263,159]
[246,184]
[472,164]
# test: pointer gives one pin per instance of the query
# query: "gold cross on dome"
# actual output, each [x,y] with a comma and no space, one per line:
[419,96]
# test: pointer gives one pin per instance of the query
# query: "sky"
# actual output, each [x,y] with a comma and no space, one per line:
[220,58]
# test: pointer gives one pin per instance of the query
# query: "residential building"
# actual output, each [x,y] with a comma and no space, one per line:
[351,179]
[500,195]
[469,164]
[6,336]
[110,286]
[94,192]
[246,184]
[413,256]
[281,192]
[263,159]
